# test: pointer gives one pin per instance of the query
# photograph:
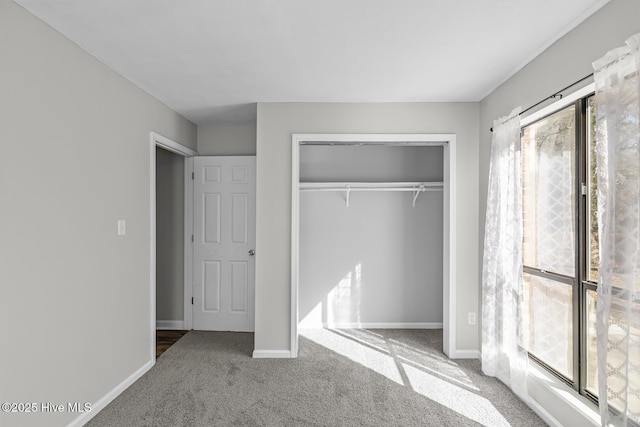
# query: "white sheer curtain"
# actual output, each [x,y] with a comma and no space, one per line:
[618,182]
[502,294]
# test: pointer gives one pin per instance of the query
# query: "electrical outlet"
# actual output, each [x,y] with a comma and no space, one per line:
[471,318]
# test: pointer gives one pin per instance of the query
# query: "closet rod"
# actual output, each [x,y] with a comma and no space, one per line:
[373,189]
[415,188]
[557,94]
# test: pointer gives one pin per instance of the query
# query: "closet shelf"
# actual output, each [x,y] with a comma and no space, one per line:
[348,187]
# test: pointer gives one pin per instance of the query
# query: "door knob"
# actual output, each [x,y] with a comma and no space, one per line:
[252,252]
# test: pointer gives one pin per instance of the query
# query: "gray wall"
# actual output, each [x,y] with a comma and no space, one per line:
[75,310]
[370,163]
[380,259]
[169,235]
[277,121]
[227,139]
[566,61]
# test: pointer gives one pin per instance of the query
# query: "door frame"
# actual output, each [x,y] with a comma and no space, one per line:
[157,140]
[448,142]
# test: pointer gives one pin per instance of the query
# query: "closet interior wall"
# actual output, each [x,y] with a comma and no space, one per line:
[377,260]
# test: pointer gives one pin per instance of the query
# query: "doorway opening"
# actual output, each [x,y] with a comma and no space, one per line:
[447,142]
[159,141]
[169,240]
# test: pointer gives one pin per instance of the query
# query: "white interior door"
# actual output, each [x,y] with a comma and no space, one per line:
[224,241]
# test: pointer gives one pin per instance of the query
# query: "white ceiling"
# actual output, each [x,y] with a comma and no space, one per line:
[212,60]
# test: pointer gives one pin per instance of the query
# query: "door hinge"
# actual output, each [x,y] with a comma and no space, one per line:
[193,175]
[192,239]
[583,188]
[191,300]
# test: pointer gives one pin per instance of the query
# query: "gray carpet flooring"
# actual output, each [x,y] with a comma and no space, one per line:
[341,378]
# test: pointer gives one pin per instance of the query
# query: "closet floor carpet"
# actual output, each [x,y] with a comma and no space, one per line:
[341,378]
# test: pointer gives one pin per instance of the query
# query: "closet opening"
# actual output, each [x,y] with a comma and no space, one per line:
[373,233]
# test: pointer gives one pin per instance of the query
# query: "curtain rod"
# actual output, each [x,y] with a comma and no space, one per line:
[557,94]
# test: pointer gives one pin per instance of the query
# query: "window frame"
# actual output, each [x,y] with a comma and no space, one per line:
[580,282]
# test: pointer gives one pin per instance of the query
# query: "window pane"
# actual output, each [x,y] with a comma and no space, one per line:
[593,249]
[548,322]
[548,167]
[591,346]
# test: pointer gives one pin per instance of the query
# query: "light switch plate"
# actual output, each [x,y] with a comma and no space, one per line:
[122,227]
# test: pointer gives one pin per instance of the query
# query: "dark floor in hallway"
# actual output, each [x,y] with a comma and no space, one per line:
[165,339]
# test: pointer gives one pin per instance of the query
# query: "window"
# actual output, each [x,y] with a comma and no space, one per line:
[560,244]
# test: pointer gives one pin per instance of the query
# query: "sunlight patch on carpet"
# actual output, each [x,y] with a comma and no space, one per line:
[466,403]
[431,375]
[365,356]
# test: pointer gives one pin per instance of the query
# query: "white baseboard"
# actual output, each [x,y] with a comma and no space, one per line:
[177,325]
[371,325]
[543,413]
[271,354]
[465,354]
[106,399]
